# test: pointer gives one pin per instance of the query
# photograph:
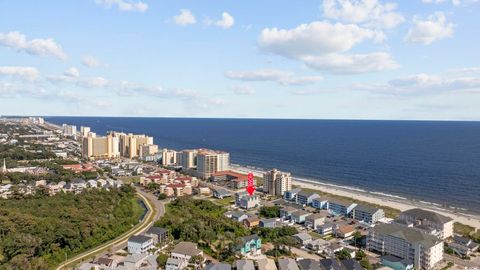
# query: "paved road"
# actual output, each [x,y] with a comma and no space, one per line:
[155,210]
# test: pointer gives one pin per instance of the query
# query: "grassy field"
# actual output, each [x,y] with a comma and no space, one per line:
[225,201]
[129,179]
[389,212]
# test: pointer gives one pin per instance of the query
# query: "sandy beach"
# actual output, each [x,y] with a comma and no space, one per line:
[399,203]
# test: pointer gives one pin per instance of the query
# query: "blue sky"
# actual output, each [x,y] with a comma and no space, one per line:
[331,59]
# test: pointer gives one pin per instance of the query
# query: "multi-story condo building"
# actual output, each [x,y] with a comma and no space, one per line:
[114,145]
[189,159]
[69,130]
[422,249]
[276,182]
[169,157]
[291,195]
[338,207]
[306,197]
[430,221]
[320,203]
[148,150]
[84,131]
[370,215]
[97,147]
[210,162]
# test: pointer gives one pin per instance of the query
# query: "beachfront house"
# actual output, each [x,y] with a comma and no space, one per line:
[340,207]
[367,214]
[291,195]
[306,197]
[320,203]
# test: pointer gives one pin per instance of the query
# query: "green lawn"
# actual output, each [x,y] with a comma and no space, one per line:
[225,201]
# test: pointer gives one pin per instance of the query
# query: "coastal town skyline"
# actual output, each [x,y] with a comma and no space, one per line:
[315,60]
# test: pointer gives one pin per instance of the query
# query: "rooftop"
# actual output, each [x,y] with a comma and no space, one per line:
[408,234]
[140,239]
[418,213]
[186,248]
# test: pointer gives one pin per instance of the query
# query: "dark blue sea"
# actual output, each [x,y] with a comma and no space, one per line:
[436,162]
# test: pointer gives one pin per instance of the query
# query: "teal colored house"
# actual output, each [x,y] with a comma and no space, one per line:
[396,263]
[251,244]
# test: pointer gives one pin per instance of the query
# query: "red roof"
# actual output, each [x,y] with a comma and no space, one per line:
[239,176]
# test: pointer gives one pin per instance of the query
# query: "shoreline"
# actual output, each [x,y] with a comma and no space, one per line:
[378,198]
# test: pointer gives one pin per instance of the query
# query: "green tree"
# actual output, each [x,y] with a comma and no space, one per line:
[162,260]
[343,255]
[162,196]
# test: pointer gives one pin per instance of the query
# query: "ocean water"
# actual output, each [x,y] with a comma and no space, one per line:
[436,162]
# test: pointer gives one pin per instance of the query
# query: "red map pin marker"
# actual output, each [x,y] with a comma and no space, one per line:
[251,186]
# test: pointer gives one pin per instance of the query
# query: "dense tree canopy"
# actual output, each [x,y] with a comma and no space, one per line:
[39,232]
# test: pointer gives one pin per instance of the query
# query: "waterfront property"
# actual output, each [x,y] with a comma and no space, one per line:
[433,222]
[423,249]
[139,244]
[276,182]
[340,207]
[306,197]
[291,195]
[320,203]
[367,214]
[251,244]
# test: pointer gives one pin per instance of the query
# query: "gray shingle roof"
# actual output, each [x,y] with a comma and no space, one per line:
[408,234]
[140,239]
[418,213]
[287,264]
[244,265]
[308,264]
[368,209]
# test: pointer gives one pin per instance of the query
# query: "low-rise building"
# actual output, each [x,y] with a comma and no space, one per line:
[139,244]
[286,212]
[245,201]
[318,244]
[287,264]
[303,238]
[291,195]
[463,246]
[315,220]
[244,265]
[251,244]
[175,264]
[367,214]
[320,203]
[185,251]
[299,216]
[344,231]
[325,229]
[251,221]
[159,235]
[268,223]
[340,207]
[306,197]
[266,264]
[221,193]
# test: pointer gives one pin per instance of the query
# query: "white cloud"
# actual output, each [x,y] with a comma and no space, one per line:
[369,13]
[243,90]
[424,84]
[323,46]
[41,47]
[124,5]
[434,28]
[90,61]
[23,73]
[273,75]
[72,75]
[352,64]
[454,2]
[72,72]
[225,22]
[315,38]
[184,18]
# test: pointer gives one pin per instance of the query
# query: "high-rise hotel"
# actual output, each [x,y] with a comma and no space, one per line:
[116,144]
